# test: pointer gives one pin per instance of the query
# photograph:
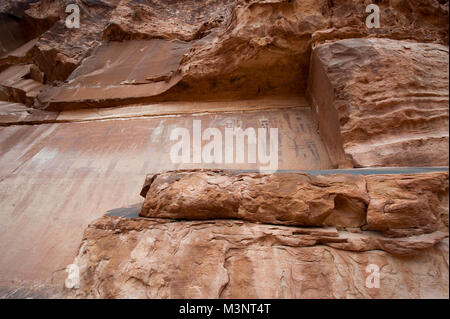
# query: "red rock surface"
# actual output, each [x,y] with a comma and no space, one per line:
[285,199]
[129,258]
[398,205]
[95,162]
[216,258]
[239,49]
[86,113]
[378,113]
[144,68]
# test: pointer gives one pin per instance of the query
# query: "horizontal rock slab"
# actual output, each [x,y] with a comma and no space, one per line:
[286,199]
[126,70]
[154,258]
[17,113]
[398,205]
[21,55]
[21,83]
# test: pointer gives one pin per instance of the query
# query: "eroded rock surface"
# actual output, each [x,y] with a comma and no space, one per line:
[286,199]
[194,253]
[21,83]
[238,49]
[387,96]
[143,68]
[398,205]
[141,258]
[88,111]
[225,49]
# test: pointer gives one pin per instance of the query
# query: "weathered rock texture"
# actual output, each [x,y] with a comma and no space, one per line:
[237,48]
[225,49]
[143,68]
[398,205]
[56,178]
[136,258]
[21,83]
[86,112]
[285,199]
[389,97]
[216,258]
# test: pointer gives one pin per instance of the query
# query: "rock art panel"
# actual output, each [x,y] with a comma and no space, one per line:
[51,170]
[86,112]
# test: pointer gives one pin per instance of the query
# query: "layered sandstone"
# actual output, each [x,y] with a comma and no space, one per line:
[237,49]
[92,161]
[385,95]
[194,252]
[140,258]
[397,205]
[143,68]
[21,83]
[85,113]
[223,49]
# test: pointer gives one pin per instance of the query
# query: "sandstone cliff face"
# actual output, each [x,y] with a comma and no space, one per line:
[215,258]
[124,258]
[86,113]
[396,205]
[389,96]
[195,50]
[238,49]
